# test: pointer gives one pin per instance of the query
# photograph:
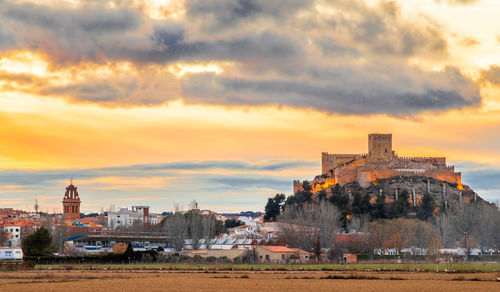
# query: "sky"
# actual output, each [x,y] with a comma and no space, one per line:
[227,101]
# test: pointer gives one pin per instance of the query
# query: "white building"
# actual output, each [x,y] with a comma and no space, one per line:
[11,254]
[14,231]
[127,218]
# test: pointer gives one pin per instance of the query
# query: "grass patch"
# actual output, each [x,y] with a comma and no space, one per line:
[457,268]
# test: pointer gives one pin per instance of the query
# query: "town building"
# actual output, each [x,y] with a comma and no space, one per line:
[205,253]
[13,235]
[71,204]
[224,242]
[127,218]
[103,243]
[11,254]
[282,255]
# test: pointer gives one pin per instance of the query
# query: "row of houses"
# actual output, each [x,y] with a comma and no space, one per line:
[263,254]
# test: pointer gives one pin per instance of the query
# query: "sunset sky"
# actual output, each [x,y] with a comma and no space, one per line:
[227,101]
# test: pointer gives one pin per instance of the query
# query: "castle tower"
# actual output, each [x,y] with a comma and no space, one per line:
[380,147]
[71,204]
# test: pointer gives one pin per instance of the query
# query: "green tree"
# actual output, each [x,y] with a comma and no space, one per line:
[130,250]
[39,243]
[317,248]
[366,206]
[322,195]
[361,204]
[273,207]
[380,208]
[231,223]
[357,208]
[340,200]
[426,209]
[306,186]
[400,207]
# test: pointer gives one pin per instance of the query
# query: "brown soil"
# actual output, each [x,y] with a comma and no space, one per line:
[244,281]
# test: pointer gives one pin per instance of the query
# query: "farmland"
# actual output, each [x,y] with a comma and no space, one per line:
[411,267]
[119,279]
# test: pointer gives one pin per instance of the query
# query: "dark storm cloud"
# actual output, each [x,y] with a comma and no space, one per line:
[355,60]
[67,34]
[224,14]
[92,19]
[266,45]
[341,92]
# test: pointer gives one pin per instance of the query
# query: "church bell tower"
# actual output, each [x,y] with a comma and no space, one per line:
[71,204]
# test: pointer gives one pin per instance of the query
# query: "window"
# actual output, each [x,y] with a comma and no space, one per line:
[267,257]
[282,256]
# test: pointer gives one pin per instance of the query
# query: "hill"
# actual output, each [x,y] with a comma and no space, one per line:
[444,193]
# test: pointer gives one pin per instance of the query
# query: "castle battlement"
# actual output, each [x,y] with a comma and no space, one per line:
[419,157]
[380,134]
[346,155]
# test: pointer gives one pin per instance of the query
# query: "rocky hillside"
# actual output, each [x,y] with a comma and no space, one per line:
[440,190]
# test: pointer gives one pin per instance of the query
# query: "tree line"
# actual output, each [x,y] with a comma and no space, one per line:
[306,220]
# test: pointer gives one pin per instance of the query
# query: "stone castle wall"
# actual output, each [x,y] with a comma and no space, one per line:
[381,162]
[331,161]
[380,147]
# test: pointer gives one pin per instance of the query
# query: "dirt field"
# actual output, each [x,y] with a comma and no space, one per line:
[244,281]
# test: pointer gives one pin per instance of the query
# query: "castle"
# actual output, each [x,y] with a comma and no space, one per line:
[381,162]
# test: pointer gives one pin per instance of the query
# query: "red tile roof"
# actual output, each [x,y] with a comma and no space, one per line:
[279,248]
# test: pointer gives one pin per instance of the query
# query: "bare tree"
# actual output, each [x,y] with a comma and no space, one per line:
[176,226]
[444,225]
[358,222]
[403,233]
[488,229]
[473,224]
[70,250]
[195,222]
[302,225]
[209,229]
[3,237]
[102,220]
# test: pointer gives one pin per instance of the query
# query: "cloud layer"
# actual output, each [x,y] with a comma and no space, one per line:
[336,56]
[218,184]
[221,185]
